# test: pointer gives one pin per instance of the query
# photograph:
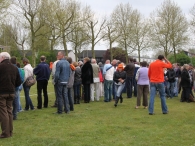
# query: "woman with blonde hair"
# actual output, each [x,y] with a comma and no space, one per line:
[185,84]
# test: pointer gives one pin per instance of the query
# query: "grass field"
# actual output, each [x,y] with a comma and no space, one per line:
[101,124]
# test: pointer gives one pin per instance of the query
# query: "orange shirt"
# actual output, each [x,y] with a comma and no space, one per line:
[156,72]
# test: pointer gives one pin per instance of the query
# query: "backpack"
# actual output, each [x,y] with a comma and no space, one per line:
[71,79]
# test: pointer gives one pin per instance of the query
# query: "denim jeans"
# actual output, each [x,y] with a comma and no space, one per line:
[176,87]
[161,89]
[108,90]
[15,105]
[119,89]
[19,103]
[27,98]
[170,89]
[70,99]
[62,98]
[129,84]
[113,91]
[77,88]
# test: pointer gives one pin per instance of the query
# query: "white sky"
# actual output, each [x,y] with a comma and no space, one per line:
[105,7]
[144,6]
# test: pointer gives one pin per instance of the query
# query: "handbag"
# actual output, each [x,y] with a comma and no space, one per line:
[101,77]
[30,81]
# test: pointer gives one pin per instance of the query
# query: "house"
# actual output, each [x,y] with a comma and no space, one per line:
[88,53]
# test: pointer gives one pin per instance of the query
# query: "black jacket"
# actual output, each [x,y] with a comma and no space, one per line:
[9,77]
[185,78]
[118,75]
[171,75]
[87,73]
[130,69]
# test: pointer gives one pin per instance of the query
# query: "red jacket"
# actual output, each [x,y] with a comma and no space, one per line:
[156,70]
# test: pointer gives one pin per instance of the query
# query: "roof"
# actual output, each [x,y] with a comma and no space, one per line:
[88,53]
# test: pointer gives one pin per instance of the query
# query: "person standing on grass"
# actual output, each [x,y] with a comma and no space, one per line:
[87,78]
[61,78]
[95,86]
[156,77]
[108,72]
[9,79]
[70,83]
[119,80]
[130,69]
[77,83]
[42,72]
[28,71]
[142,85]
[20,88]
[17,92]
[53,81]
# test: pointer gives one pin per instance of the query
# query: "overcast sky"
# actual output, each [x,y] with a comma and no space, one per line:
[105,7]
[144,6]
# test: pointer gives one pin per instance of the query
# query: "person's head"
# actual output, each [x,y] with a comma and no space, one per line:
[42,58]
[186,66]
[75,64]
[60,55]
[161,57]
[100,64]
[69,59]
[107,62]
[144,64]
[4,55]
[120,67]
[13,60]
[86,59]
[130,59]
[18,64]
[25,61]
[114,62]
[190,66]
[80,63]
[93,61]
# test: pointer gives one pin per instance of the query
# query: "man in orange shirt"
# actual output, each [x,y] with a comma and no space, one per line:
[156,77]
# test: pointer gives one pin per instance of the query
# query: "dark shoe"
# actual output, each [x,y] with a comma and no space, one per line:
[54,106]
[116,101]
[2,136]
[14,118]
[165,113]
[106,101]
[151,113]
[121,99]
[57,113]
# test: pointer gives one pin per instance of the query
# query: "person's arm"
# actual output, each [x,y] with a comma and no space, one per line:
[137,75]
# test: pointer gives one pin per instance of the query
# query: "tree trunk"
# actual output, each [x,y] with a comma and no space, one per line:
[65,45]
[111,53]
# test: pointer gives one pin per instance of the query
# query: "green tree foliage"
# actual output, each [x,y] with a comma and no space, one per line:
[182,58]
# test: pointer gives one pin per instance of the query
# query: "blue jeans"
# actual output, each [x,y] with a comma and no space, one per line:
[129,84]
[176,87]
[27,98]
[119,89]
[19,103]
[161,89]
[70,99]
[15,105]
[113,91]
[77,88]
[170,89]
[108,90]
[62,98]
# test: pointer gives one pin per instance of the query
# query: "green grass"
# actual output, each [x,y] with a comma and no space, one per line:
[101,124]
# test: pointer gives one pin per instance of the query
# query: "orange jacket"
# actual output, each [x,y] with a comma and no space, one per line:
[156,70]
[72,67]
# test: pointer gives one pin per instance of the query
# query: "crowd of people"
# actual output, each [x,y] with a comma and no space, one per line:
[88,81]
